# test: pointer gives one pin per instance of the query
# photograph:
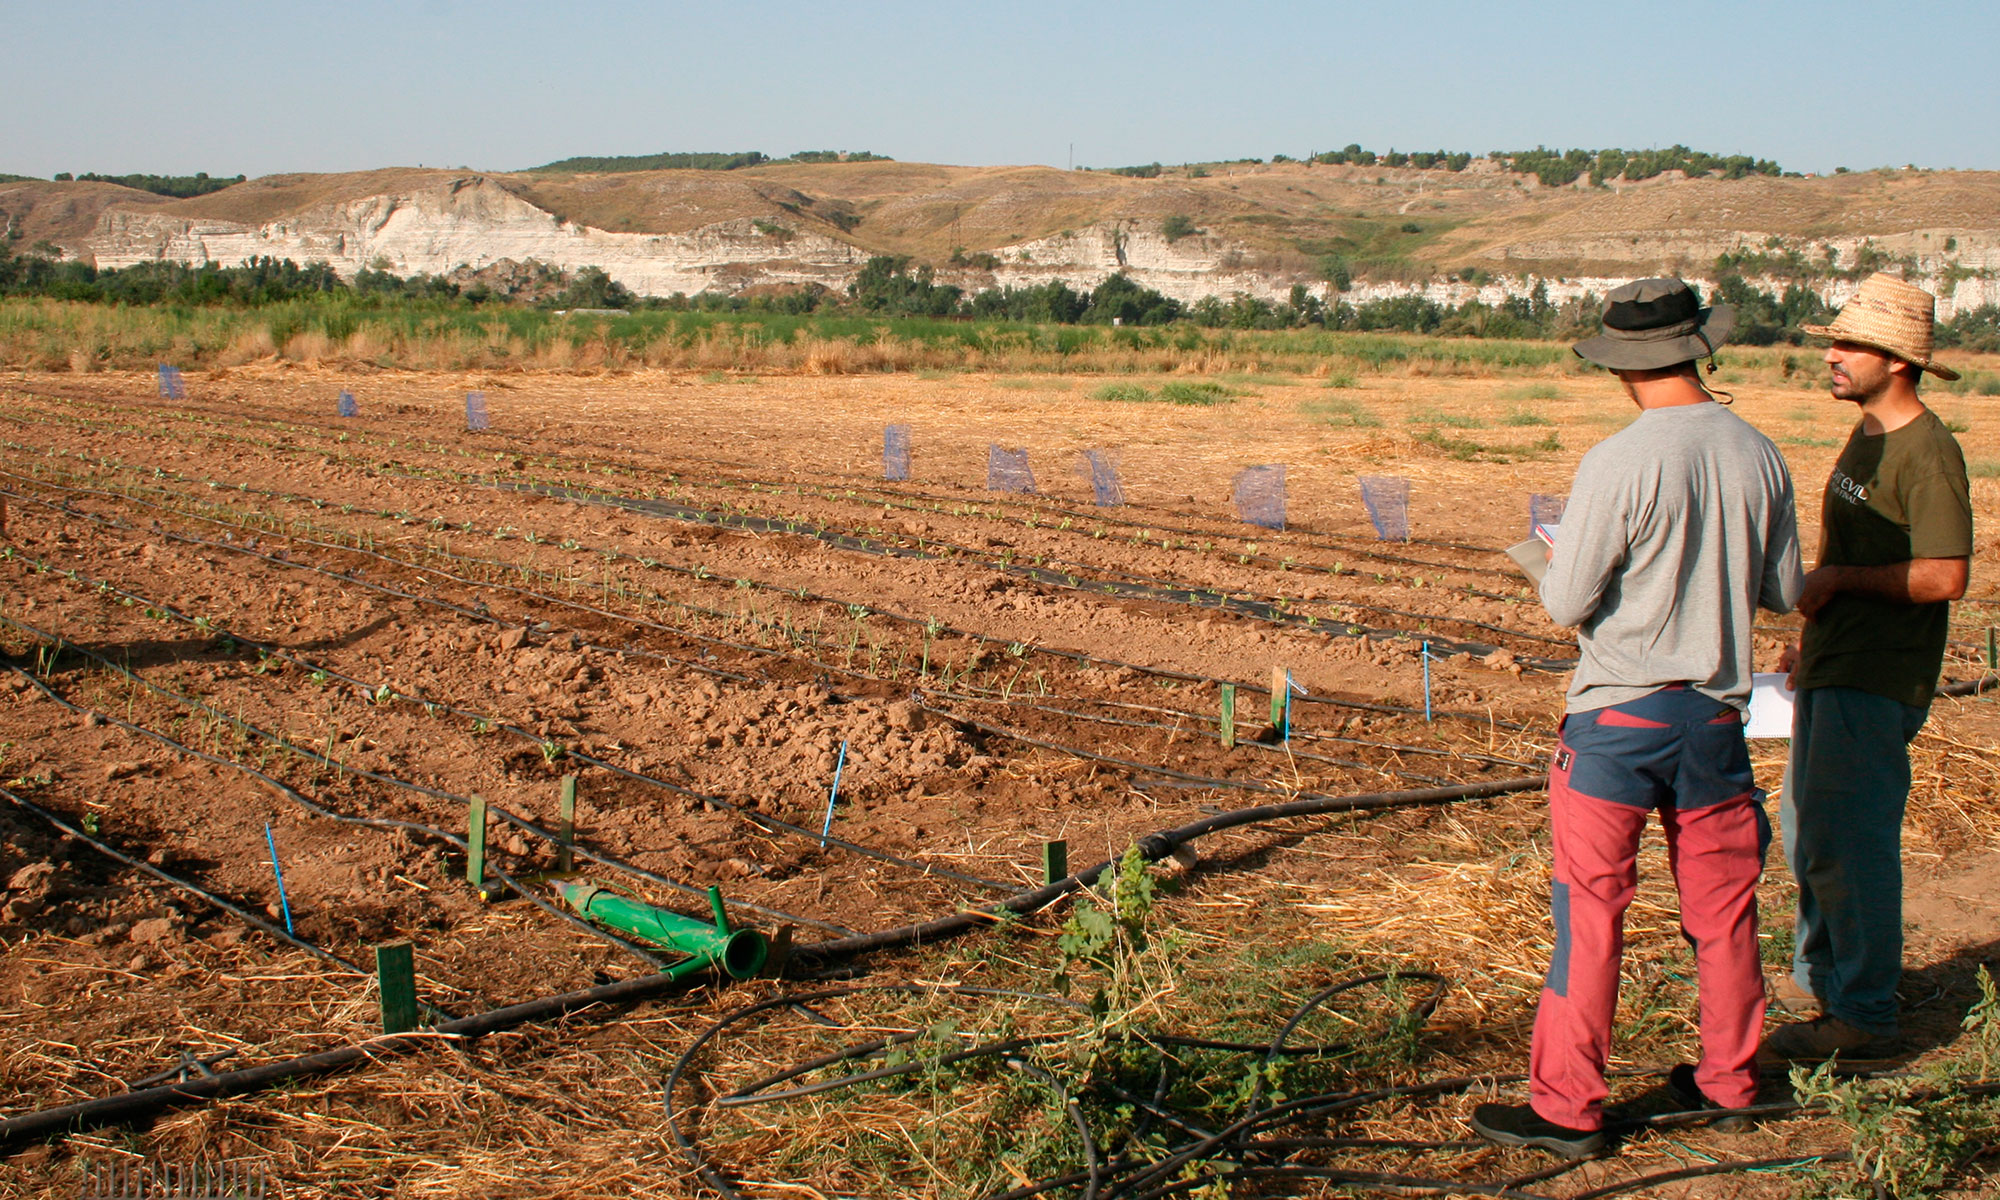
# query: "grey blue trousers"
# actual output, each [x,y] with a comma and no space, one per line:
[1842,811]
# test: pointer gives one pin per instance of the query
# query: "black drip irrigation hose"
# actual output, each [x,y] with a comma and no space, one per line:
[174,881]
[134,1105]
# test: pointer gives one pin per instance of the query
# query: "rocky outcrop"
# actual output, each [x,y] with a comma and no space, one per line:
[474,223]
[469,223]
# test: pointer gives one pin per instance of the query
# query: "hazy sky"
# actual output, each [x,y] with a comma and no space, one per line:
[227,87]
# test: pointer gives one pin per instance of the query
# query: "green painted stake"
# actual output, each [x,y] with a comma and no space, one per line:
[396,980]
[1228,716]
[1055,861]
[475,843]
[1281,702]
[1992,650]
[563,859]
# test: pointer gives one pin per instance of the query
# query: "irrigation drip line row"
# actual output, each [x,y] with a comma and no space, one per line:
[675,630]
[1285,749]
[379,692]
[1205,781]
[242,914]
[1136,587]
[297,797]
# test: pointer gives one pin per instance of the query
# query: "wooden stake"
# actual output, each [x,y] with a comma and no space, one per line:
[1992,650]
[567,835]
[396,980]
[475,843]
[1055,861]
[1228,716]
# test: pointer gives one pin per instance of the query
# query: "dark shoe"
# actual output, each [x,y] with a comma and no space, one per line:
[1822,1038]
[1521,1125]
[1688,1093]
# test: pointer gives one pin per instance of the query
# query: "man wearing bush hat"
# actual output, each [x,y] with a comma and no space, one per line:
[1895,546]
[1678,528]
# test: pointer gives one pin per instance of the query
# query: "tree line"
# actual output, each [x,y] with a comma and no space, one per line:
[895,286]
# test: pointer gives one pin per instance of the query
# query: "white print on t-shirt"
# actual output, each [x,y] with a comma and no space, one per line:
[1854,493]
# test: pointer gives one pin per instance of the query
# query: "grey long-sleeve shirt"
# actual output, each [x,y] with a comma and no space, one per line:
[1678,528]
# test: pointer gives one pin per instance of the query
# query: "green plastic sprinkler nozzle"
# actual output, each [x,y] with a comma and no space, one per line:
[739,952]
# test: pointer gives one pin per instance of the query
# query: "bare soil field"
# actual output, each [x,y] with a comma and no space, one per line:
[235,622]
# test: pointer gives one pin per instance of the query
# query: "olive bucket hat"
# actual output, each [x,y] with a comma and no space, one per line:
[1654,323]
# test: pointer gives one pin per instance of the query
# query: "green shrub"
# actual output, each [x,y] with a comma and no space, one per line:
[1522,416]
[1176,227]
[1534,391]
[1339,379]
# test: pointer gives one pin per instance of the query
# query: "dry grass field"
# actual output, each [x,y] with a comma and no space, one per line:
[693,590]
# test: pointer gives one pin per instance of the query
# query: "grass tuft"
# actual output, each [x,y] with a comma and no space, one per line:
[1345,413]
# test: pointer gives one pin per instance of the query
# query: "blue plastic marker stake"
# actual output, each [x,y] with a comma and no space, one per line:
[1289,686]
[827,827]
[279,871]
[1427,681]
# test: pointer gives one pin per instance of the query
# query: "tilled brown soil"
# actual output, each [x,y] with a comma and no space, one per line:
[385,617]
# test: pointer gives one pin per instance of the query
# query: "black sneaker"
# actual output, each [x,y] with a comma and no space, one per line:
[1688,1093]
[1521,1125]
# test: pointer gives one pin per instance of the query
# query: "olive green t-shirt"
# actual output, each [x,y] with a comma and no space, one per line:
[1892,497]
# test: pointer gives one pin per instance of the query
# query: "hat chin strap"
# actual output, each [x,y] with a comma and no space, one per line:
[1715,393]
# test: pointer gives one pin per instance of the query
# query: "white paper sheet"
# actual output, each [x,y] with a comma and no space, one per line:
[1532,557]
[1770,707]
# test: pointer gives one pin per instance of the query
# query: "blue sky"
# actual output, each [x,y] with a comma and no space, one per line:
[225,86]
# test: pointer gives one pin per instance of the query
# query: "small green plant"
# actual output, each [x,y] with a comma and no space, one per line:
[1122,393]
[1435,417]
[1345,412]
[1180,392]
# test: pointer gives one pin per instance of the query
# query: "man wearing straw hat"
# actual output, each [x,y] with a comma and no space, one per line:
[1895,545]
[1678,528]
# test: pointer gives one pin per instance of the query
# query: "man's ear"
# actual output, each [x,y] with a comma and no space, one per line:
[1907,369]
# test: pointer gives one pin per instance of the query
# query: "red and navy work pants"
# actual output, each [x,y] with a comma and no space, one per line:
[1680,753]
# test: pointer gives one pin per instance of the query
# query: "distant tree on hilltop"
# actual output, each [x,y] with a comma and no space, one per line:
[179,186]
[658,162]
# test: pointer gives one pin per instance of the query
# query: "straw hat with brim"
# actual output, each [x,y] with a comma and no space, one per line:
[1889,315]
[1654,323]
